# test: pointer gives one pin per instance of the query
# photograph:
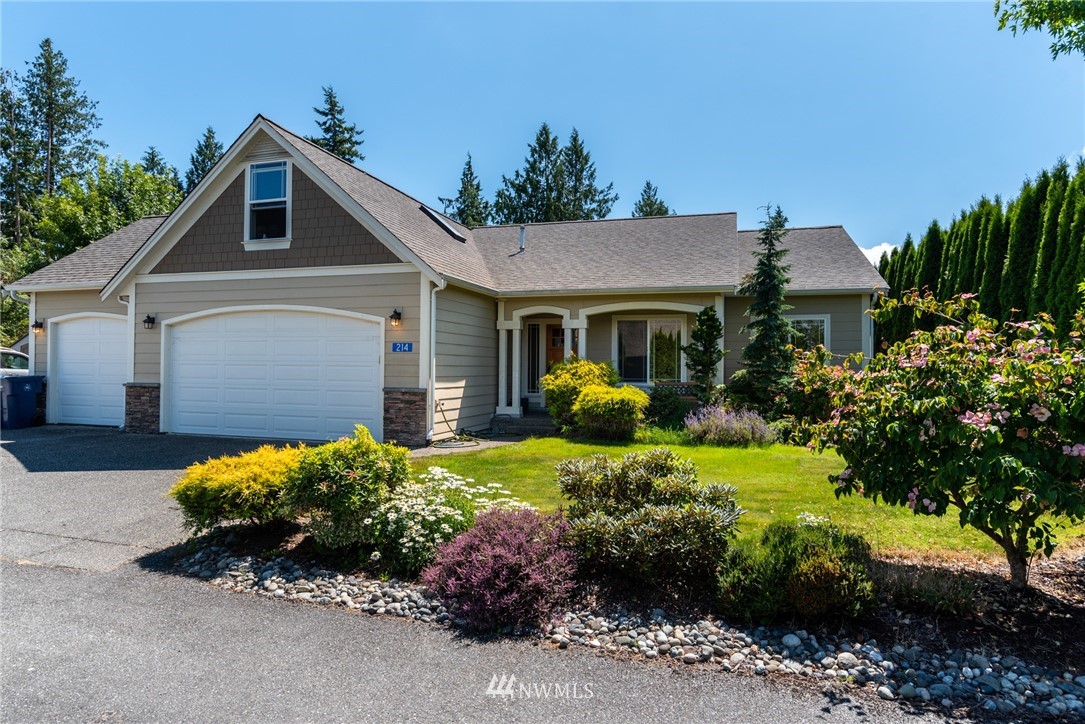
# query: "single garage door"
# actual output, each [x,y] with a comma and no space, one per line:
[279,374]
[89,369]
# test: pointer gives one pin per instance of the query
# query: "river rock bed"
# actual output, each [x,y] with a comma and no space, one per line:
[949,678]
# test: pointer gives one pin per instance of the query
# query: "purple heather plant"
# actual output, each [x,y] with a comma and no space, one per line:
[715,425]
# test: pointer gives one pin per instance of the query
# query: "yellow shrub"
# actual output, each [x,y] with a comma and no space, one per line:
[248,486]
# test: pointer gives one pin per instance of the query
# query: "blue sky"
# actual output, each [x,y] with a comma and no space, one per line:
[877,116]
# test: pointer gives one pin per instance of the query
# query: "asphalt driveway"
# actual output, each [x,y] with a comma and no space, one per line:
[93,498]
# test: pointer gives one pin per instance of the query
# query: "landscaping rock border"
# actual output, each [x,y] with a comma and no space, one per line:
[951,679]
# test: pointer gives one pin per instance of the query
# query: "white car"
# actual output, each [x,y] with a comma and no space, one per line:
[13,363]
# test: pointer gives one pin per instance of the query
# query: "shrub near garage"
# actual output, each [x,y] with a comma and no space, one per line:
[342,483]
[513,567]
[645,518]
[246,487]
[609,413]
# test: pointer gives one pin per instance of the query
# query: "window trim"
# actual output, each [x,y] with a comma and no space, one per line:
[826,318]
[263,244]
[682,318]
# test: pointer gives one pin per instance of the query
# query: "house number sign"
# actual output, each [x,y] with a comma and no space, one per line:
[402,346]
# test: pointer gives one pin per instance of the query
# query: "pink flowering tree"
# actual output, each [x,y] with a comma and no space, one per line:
[974,417]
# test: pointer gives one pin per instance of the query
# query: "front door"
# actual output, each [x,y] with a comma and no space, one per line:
[555,344]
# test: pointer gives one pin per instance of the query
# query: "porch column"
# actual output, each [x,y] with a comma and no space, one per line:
[502,369]
[514,403]
[581,338]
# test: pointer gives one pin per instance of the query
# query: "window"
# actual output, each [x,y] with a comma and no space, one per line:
[810,331]
[268,214]
[533,361]
[649,350]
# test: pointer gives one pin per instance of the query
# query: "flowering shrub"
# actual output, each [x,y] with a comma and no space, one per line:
[809,569]
[421,514]
[722,426]
[565,381]
[513,567]
[985,419]
[341,484]
[236,487]
[609,413]
[644,518]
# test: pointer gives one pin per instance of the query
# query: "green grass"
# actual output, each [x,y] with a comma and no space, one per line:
[776,482]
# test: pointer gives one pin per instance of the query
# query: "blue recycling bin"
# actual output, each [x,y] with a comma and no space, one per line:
[20,394]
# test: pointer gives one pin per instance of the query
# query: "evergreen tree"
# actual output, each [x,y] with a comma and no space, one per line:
[336,135]
[1021,253]
[62,118]
[649,203]
[20,177]
[883,265]
[207,153]
[994,258]
[534,193]
[902,324]
[767,356]
[1062,299]
[155,164]
[703,353]
[928,266]
[584,199]
[469,207]
[1040,292]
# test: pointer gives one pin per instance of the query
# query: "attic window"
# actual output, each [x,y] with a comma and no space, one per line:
[443,223]
[267,217]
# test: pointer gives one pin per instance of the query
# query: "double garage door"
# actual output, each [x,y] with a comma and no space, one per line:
[277,374]
[285,374]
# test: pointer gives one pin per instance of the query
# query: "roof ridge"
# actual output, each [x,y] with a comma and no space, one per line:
[797,228]
[617,218]
[361,170]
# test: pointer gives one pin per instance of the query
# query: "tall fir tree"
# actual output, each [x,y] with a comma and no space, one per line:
[20,172]
[994,258]
[468,206]
[930,258]
[1021,252]
[766,356]
[584,198]
[649,203]
[534,193]
[155,164]
[1048,237]
[206,154]
[1061,297]
[62,118]
[336,135]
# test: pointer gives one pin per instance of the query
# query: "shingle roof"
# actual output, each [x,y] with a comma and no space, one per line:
[693,251]
[95,264]
[644,253]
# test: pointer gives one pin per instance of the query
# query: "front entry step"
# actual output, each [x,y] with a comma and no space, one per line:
[535,425]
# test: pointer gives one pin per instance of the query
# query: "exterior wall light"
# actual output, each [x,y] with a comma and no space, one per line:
[148,322]
[38,327]
[395,317]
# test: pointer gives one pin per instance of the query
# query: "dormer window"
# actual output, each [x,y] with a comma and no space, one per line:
[267,218]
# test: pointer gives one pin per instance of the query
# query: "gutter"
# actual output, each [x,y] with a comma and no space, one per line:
[431,392]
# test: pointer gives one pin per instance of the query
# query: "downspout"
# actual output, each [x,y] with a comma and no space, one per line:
[431,393]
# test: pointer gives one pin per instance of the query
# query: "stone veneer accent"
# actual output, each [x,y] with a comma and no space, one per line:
[405,416]
[141,407]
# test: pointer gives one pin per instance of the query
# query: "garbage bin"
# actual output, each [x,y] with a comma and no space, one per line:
[20,394]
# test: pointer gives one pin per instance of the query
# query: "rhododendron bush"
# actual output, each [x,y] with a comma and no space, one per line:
[981,419]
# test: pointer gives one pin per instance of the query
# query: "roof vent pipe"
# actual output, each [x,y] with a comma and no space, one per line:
[523,234]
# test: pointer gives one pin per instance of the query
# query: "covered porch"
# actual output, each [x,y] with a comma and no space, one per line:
[642,337]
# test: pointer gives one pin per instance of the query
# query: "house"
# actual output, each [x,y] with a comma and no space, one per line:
[292,295]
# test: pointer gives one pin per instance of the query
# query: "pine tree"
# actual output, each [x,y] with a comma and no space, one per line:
[534,193]
[20,177]
[62,118]
[336,135]
[584,199]
[207,153]
[1040,292]
[1021,253]
[649,203]
[767,357]
[994,258]
[155,164]
[468,207]
[703,353]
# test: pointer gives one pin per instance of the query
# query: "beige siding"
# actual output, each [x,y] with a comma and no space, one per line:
[50,305]
[845,314]
[375,294]
[323,234]
[466,373]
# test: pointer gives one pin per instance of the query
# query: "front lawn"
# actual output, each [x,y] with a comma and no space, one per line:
[775,482]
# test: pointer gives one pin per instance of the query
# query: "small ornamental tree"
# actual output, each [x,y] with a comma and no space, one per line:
[703,353]
[767,356]
[985,419]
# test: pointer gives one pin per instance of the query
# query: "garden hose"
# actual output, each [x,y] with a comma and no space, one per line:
[460,438]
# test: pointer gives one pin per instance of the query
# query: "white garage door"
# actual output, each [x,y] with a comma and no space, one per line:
[279,374]
[89,371]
